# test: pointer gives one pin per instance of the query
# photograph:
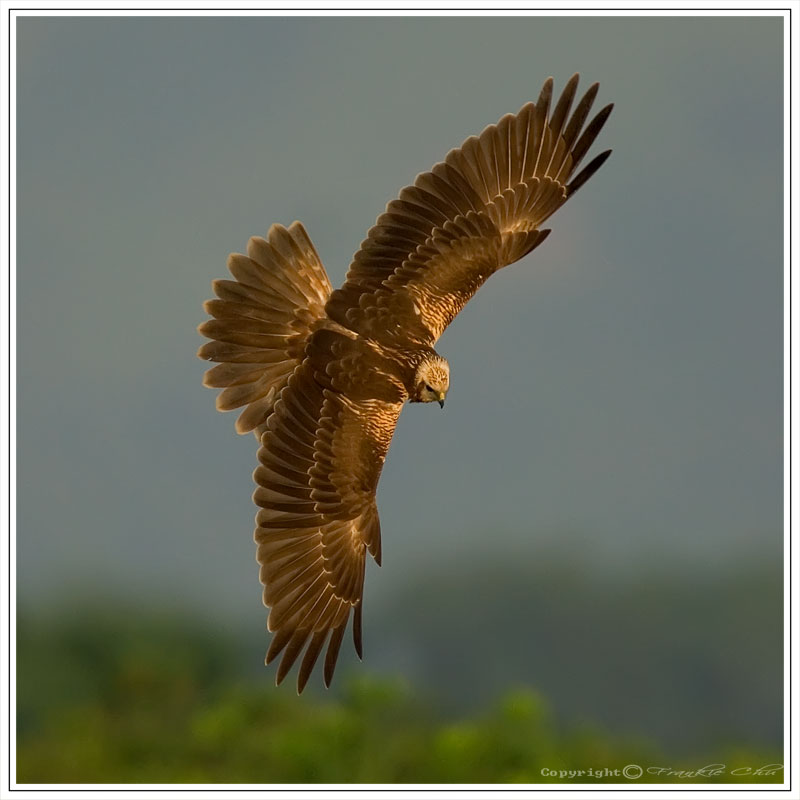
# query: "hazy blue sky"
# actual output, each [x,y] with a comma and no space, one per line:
[620,390]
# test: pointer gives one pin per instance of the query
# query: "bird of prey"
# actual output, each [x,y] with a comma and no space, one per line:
[322,375]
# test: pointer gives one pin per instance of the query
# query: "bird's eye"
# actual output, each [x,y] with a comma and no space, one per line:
[429,388]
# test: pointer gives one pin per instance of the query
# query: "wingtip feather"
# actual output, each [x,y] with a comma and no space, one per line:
[333,653]
[587,172]
[357,638]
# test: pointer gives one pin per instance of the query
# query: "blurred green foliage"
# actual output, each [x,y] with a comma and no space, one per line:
[691,653]
[126,697]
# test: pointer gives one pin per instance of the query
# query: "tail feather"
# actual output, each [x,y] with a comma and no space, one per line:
[261,321]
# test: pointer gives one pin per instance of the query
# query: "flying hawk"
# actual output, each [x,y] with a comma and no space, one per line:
[322,375]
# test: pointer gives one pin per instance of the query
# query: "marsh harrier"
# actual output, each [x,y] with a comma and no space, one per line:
[321,375]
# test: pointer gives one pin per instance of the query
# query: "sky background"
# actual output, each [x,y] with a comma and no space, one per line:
[617,395]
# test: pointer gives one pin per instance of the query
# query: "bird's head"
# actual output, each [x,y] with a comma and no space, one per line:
[431,381]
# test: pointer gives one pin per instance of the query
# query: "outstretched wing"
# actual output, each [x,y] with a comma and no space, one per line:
[479,210]
[320,459]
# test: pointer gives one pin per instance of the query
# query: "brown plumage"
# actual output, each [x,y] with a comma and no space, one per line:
[322,375]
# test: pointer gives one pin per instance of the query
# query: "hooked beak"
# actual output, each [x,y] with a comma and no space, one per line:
[441,399]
